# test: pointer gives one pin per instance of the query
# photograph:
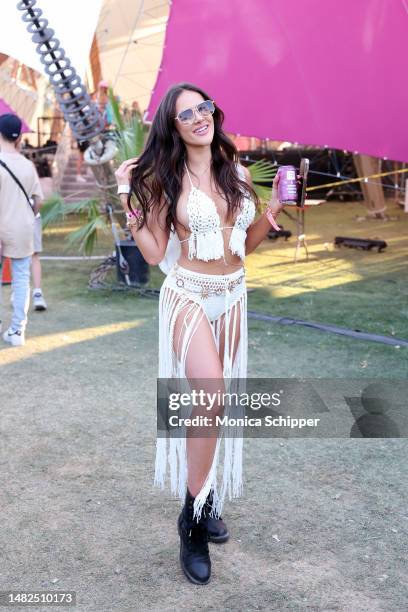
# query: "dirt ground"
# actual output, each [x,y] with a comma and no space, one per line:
[322,525]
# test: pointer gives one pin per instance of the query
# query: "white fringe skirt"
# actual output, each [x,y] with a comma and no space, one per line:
[222,300]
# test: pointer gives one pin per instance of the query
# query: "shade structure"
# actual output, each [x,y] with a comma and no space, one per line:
[130,35]
[317,72]
[5,108]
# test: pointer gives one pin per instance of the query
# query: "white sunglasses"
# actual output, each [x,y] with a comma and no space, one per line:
[206,108]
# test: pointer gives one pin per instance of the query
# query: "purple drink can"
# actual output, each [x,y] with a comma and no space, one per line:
[287,187]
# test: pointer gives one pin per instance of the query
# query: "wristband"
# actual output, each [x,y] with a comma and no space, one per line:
[123,189]
[131,215]
[134,219]
[272,219]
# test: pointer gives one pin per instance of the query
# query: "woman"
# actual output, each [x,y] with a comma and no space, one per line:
[188,179]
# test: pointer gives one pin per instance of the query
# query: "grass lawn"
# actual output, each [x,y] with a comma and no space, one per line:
[322,522]
[356,289]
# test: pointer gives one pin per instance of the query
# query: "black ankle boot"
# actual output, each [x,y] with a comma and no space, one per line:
[194,555]
[217,529]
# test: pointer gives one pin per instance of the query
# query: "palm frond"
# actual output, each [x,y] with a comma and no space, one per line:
[262,171]
[130,140]
[117,116]
[82,206]
[53,209]
[264,193]
[86,236]
[56,209]
[139,130]
[130,133]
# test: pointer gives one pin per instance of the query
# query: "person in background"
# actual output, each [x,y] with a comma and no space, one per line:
[17,220]
[39,302]
[135,110]
[104,105]
[82,147]
[26,144]
[101,98]
[44,173]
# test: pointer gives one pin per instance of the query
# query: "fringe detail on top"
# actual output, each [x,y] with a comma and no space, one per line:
[237,241]
[206,245]
[191,246]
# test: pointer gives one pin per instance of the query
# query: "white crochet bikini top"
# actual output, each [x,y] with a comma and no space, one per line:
[206,241]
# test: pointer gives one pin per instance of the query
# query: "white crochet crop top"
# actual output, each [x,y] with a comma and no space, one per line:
[206,241]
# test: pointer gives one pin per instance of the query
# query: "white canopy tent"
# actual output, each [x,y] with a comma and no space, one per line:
[130,38]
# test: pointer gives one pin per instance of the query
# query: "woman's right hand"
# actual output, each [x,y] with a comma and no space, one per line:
[124,171]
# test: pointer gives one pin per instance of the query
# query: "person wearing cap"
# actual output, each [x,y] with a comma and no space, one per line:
[17,221]
[102,99]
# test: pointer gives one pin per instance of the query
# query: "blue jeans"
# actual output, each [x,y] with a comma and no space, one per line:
[20,269]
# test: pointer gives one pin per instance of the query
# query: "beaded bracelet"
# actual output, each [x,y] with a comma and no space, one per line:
[134,218]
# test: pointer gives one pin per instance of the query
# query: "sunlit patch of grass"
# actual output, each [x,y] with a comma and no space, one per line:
[49,342]
[346,287]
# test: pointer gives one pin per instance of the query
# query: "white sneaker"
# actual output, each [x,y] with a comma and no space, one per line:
[81,179]
[15,338]
[38,301]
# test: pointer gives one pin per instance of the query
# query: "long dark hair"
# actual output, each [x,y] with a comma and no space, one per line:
[160,168]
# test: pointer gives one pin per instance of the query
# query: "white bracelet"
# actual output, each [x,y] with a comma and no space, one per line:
[123,189]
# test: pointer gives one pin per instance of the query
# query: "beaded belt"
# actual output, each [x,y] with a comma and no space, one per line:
[205,287]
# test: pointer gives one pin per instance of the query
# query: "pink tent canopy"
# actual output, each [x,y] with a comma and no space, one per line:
[5,108]
[317,72]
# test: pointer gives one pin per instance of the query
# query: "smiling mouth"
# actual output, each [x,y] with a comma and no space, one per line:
[201,130]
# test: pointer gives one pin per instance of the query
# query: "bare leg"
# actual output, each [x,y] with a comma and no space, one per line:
[202,364]
[204,368]
[36,270]
[80,162]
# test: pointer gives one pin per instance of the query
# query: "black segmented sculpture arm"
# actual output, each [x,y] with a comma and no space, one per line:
[78,109]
